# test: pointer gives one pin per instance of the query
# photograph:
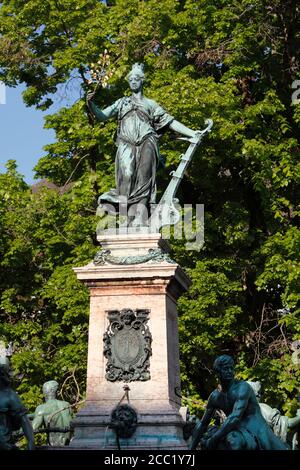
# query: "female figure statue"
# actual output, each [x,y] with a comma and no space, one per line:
[140,122]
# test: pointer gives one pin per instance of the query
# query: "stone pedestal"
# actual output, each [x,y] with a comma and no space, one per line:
[154,285]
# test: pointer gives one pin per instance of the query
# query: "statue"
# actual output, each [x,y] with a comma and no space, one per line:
[13,414]
[285,428]
[140,123]
[244,428]
[53,414]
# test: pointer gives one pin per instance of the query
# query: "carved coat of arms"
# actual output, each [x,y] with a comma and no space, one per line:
[127,345]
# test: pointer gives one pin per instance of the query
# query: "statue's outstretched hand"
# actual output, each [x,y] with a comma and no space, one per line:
[197,134]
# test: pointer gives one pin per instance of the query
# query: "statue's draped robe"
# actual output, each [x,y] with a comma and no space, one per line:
[139,126]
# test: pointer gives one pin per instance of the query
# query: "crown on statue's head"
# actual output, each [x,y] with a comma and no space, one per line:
[137,70]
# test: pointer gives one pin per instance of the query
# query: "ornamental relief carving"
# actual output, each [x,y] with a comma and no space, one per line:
[127,345]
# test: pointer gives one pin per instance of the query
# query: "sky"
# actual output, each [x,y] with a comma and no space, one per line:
[22,135]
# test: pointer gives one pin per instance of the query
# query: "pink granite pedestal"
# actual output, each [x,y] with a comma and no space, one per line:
[155,286]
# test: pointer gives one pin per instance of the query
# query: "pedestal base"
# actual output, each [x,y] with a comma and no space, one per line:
[155,430]
[151,287]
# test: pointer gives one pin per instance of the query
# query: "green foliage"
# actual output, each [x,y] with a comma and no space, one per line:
[231,60]
[43,307]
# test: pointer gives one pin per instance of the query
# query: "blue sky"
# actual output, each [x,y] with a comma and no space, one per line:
[22,135]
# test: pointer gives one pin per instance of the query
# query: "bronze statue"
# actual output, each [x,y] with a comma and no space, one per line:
[140,123]
[13,415]
[284,427]
[244,428]
[53,414]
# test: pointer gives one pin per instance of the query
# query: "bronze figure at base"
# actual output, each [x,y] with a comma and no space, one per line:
[244,428]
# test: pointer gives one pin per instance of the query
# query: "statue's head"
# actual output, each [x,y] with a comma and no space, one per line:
[224,367]
[136,77]
[256,387]
[50,389]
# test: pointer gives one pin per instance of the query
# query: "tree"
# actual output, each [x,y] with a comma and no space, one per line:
[234,61]
[43,308]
